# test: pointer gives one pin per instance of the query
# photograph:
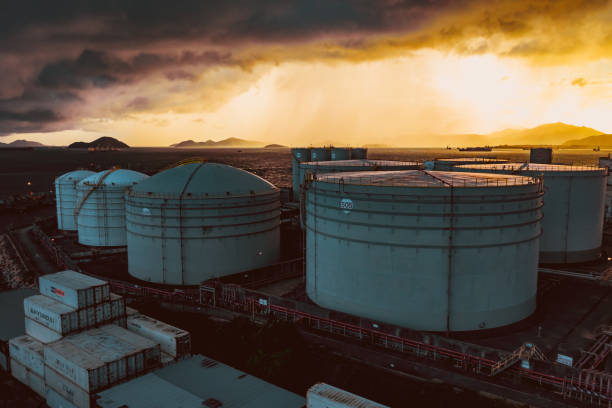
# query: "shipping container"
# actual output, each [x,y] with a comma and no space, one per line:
[74,289]
[29,352]
[172,340]
[79,366]
[323,395]
[117,304]
[151,349]
[55,400]
[52,314]
[103,312]
[30,379]
[67,389]
[41,333]
[113,352]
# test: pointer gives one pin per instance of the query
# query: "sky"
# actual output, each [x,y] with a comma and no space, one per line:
[153,73]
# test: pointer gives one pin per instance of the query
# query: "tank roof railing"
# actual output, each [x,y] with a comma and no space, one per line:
[418,180]
[527,166]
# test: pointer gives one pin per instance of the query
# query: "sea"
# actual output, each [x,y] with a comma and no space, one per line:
[25,171]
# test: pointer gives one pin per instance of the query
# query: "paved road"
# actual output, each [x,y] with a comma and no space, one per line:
[33,254]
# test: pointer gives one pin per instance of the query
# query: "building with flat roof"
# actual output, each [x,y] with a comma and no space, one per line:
[198,382]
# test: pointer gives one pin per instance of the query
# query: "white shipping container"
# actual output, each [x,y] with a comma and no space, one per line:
[103,312]
[41,333]
[29,352]
[54,400]
[79,366]
[113,351]
[73,289]
[323,395]
[151,349]
[51,313]
[172,340]
[30,379]
[117,306]
[68,390]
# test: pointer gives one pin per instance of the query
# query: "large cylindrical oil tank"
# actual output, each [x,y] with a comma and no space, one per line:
[574,202]
[426,250]
[201,221]
[449,164]
[359,153]
[340,153]
[100,209]
[320,154]
[66,198]
[298,155]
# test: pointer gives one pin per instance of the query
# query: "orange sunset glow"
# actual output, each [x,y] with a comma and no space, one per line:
[404,74]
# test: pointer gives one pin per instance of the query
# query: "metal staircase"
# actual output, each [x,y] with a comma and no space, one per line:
[527,351]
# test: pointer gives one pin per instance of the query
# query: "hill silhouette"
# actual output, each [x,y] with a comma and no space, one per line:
[601,140]
[102,143]
[229,142]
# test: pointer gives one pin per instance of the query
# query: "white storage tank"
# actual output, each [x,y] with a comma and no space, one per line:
[574,203]
[199,221]
[66,197]
[100,209]
[428,250]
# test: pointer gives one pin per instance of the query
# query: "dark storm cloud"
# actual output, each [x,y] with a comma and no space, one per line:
[84,46]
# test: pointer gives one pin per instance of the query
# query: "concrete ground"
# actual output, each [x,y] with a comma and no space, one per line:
[567,317]
[281,288]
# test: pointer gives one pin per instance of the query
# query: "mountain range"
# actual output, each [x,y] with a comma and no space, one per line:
[21,143]
[229,142]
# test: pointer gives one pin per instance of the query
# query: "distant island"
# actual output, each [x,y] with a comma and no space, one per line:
[274,146]
[20,144]
[105,143]
[229,142]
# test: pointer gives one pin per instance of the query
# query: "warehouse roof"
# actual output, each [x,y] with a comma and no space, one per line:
[198,382]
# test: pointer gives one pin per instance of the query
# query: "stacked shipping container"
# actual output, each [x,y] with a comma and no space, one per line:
[71,351]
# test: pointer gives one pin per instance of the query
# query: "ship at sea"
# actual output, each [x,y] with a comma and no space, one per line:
[475,149]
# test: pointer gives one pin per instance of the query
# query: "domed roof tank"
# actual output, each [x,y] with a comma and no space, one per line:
[100,209]
[426,250]
[66,197]
[199,221]
[574,203]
